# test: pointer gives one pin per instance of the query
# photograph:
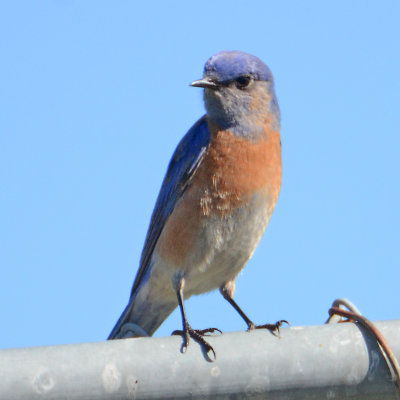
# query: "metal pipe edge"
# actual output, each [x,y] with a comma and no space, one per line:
[334,361]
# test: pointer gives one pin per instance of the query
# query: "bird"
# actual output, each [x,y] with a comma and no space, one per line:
[215,202]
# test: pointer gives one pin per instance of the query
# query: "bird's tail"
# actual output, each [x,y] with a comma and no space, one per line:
[142,317]
[124,328]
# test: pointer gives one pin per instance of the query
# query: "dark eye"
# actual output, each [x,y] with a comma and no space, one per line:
[243,81]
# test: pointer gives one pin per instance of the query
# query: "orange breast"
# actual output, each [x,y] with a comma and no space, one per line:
[232,171]
[235,169]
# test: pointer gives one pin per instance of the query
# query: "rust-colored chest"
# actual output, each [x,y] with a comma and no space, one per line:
[234,169]
[232,172]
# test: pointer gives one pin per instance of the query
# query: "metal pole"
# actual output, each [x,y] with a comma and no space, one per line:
[336,361]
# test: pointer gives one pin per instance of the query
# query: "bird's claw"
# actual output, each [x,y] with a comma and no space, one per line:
[197,335]
[204,332]
[271,327]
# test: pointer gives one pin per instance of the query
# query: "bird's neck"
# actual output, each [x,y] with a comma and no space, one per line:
[252,128]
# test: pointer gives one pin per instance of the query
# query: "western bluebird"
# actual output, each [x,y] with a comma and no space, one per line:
[216,200]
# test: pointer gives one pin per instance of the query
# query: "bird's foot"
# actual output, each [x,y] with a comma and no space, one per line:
[198,336]
[273,328]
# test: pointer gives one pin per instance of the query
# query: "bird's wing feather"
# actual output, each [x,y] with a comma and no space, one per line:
[181,169]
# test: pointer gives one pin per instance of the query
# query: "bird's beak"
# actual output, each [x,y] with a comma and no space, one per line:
[206,83]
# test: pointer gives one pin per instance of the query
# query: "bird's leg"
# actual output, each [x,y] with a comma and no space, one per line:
[227,293]
[188,332]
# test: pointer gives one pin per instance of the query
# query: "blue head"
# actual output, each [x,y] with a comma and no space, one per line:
[239,92]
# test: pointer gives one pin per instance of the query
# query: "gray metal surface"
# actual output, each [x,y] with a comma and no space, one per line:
[336,361]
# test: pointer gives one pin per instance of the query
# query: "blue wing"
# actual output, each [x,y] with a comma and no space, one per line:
[182,167]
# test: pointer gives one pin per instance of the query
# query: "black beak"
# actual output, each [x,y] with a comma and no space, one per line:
[206,83]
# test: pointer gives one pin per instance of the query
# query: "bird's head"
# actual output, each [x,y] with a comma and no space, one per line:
[239,92]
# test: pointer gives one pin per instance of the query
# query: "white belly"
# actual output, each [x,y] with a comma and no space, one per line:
[224,247]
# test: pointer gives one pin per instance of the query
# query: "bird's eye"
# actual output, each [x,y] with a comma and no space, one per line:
[243,81]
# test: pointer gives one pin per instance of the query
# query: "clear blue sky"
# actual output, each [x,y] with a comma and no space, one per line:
[94,97]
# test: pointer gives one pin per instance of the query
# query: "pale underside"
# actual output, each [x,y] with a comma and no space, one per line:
[222,248]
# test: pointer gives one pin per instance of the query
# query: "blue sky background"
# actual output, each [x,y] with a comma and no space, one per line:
[94,97]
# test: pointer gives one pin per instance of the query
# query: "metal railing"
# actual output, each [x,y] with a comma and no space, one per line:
[334,361]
